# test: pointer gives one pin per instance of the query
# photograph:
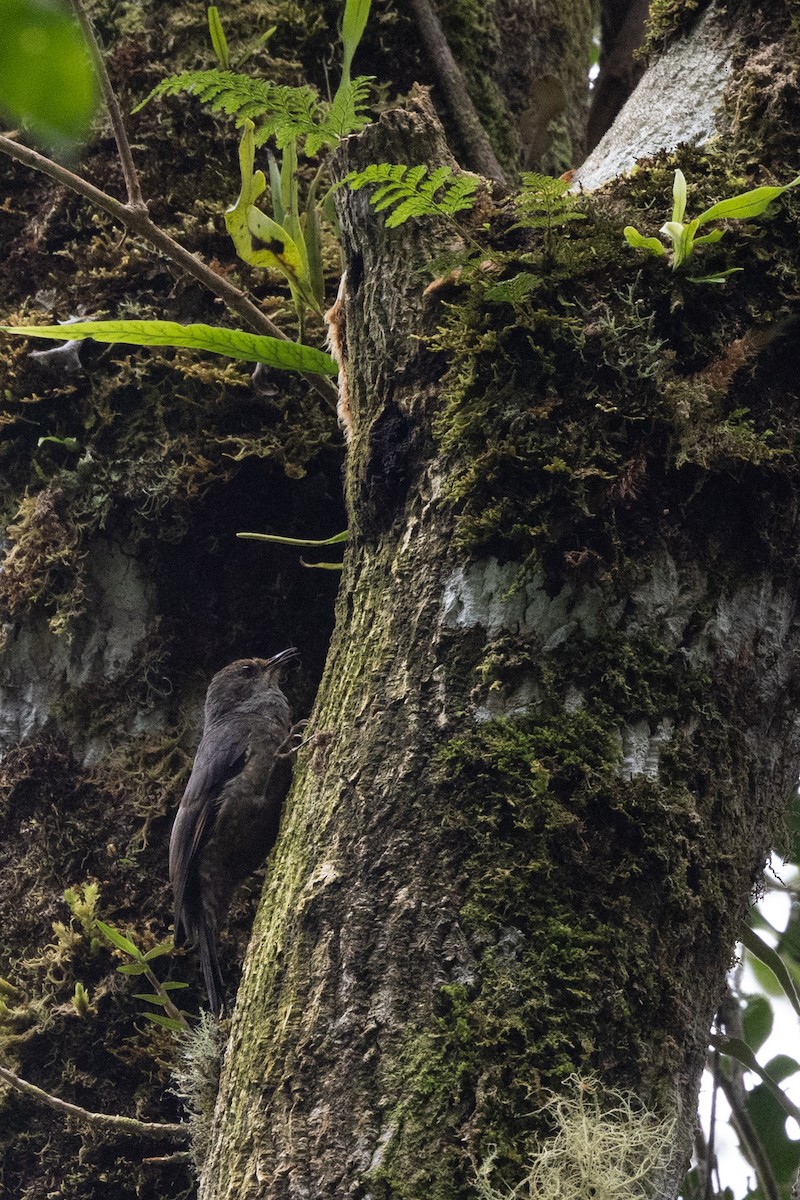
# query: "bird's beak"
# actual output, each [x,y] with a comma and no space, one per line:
[292,655]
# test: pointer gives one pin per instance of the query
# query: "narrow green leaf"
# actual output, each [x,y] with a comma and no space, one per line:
[235,343]
[132,969]
[740,1050]
[275,188]
[354,23]
[167,1022]
[162,948]
[288,541]
[218,39]
[47,80]
[639,242]
[717,277]
[150,997]
[322,566]
[312,235]
[678,197]
[119,939]
[746,205]
[770,958]
[173,985]
[716,235]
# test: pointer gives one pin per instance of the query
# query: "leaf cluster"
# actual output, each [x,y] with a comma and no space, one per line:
[172,1017]
[545,202]
[683,235]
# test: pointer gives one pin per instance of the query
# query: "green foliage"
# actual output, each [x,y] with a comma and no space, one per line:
[235,343]
[218,39]
[546,203]
[47,80]
[285,113]
[354,22]
[172,1017]
[415,191]
[683,236]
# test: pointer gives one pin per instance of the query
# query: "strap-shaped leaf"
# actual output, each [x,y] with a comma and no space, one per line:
[770,958]
[235,343]
[290,541]
[746,204]
[739,1049]
[119,940]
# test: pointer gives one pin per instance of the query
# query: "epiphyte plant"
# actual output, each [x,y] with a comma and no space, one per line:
[288,241]
[683,235]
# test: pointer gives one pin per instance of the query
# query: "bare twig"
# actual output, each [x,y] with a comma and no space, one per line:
[475,138]
[133,188]
[128,1126]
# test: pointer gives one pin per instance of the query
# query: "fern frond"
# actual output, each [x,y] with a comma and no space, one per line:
[414,191]
[347,114]
[545,202]
[514,290]
[285,112]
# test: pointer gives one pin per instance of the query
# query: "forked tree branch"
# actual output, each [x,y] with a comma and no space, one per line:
[135,217]
[132,185]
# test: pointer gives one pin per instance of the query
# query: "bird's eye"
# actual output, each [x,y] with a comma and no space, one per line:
[246,669]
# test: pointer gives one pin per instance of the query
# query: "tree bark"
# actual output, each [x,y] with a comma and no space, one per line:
[557,727]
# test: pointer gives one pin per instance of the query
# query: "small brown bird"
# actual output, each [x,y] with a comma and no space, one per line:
[228,818]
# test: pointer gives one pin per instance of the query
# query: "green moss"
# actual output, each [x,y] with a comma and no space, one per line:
[552,398]
[546,822]
[667,19]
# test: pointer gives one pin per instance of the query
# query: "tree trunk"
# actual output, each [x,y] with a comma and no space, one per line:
[557,727]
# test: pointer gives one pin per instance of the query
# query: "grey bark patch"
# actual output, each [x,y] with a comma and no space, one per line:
[677,100]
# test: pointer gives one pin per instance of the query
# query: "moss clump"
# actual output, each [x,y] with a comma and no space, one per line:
[570,873]
[666,19]
[571,413]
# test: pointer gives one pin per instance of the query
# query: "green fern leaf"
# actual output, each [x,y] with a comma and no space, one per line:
[283,112]
[347,114]
[544,202]
[414,191]
[514,290]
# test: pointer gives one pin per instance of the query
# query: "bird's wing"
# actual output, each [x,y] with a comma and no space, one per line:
[220,757]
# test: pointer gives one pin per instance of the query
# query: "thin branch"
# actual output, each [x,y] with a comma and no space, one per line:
[132,186]
[751,1142]
[475,138]
[128,1126]
[138,221]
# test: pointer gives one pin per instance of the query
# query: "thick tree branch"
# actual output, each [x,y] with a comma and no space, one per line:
[474,136]
[128,1126]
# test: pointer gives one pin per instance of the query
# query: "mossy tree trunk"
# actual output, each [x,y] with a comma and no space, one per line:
[557,728]
[556,724]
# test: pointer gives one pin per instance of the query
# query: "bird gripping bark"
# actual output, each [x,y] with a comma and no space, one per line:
[228,818]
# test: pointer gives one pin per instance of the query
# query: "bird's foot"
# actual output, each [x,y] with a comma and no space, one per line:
[294,741]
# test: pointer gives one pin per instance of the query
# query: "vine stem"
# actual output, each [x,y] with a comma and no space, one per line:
[128,1126]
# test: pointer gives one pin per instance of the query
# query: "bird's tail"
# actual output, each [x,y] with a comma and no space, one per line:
[210,965]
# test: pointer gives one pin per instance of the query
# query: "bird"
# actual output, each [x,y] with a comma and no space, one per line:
[227,820]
